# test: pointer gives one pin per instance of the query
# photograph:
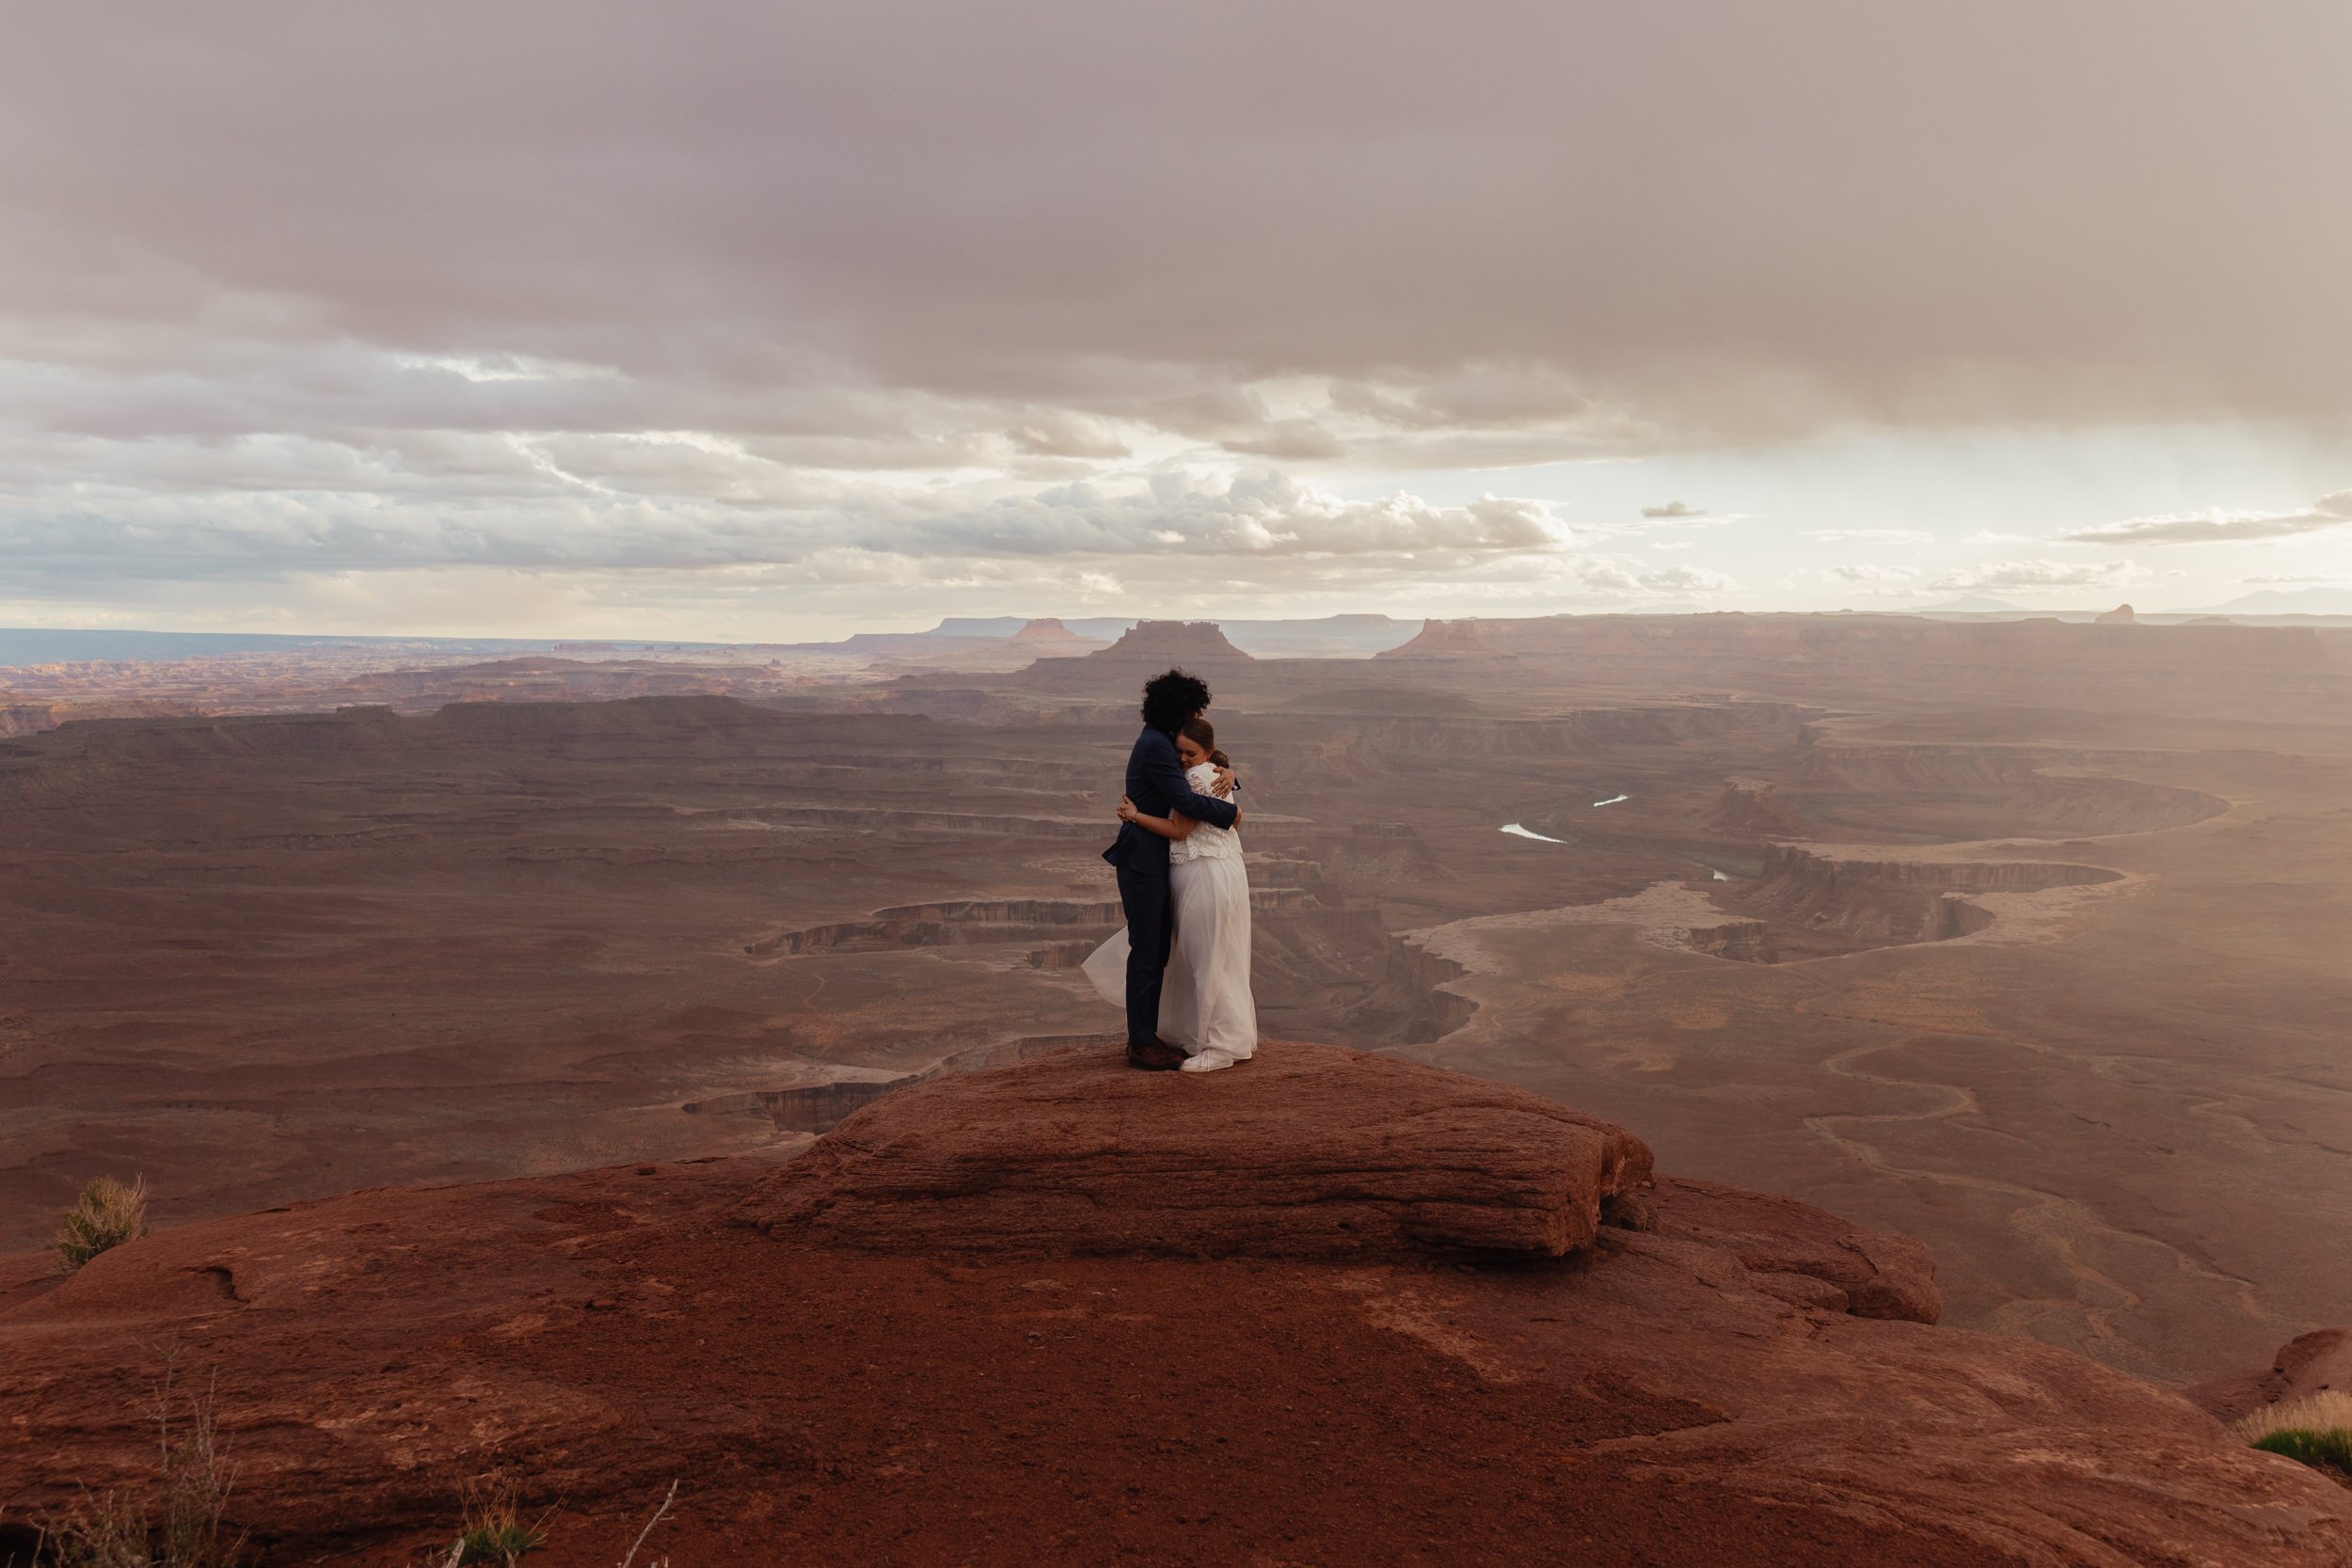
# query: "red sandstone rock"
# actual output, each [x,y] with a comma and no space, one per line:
[1306,1151]
[2313,1363]
[1869,1274]
[1690,1392]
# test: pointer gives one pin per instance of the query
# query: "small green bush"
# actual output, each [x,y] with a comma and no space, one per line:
[2313,1446]
[108,1214]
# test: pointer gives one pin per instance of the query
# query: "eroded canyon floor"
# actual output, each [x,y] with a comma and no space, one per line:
[2047,972]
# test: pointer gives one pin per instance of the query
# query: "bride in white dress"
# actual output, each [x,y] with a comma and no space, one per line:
[1205,1004]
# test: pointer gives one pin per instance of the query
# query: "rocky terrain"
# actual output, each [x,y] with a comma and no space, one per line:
[2319,1362]
[1377,1313]
[50,678]
[1981,932]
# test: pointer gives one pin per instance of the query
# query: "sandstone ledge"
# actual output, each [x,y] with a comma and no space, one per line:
[1308,1151]
[2315,1363]
[1703,1384]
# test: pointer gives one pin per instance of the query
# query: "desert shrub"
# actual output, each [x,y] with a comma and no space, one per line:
[2316,1431]
[494,1530]
[108,1214]
[182,1528]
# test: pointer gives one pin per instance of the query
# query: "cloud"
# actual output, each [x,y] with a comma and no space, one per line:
[1474,395]
[1620,577]
[2321,577]
[1060,434]
[1673,509]
[593,516]
[566,286]
[1261,515]
[1292,440]
[1872,574]
[2217,527]
[1835,534]
[2031,576]
[431,182]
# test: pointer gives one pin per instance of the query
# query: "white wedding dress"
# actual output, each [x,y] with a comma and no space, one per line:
[1205,1002]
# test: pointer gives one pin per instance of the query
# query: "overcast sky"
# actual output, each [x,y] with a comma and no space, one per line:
[772,321]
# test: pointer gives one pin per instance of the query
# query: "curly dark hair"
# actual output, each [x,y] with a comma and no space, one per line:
[1170,700]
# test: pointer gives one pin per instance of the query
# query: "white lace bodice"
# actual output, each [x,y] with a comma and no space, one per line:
[1206,841]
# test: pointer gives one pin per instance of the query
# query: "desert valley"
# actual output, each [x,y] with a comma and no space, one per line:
[620,631]
[2019,939]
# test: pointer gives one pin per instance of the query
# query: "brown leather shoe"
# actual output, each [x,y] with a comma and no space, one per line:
[1159,1056]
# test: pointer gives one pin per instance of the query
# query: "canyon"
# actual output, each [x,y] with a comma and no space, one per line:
[2022,939]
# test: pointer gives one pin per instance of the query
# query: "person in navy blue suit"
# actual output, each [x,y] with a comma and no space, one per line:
[1156,782]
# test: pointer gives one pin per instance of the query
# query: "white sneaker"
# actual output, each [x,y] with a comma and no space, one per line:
[1208,1061]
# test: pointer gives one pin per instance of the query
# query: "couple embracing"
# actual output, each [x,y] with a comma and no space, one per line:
[1181,966]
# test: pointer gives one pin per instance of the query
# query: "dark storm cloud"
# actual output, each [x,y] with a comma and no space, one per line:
[1026,201]
[546,283]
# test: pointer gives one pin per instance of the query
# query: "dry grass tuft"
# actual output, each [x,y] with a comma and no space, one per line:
[2317,1412]
[183,1528]
[2317,1430]
[494,1530]
[108,1214]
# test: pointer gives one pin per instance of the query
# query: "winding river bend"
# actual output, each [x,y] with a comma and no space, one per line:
[1520,830]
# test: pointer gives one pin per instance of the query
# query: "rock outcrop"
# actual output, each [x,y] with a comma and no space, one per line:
[22,716]
[1753,808]
[1801,1253]
[1047,638]
[1794,655]
[1184,642]
[1814,904]
[2119,616]
[2319,1362]
[1447,640]
[1308,1152]
[1716,1376]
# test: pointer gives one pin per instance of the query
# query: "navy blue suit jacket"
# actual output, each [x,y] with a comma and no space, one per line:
[1156,784]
